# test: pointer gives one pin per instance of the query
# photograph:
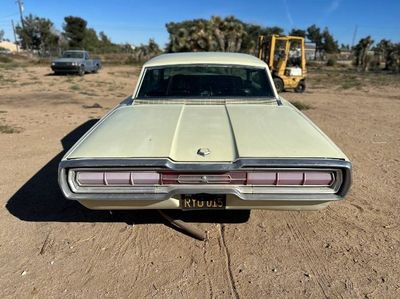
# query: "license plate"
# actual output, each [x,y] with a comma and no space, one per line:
[203,201]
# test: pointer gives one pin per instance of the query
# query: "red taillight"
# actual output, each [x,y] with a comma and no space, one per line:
[145,178]
[232,178]
[258,178]
[261,178]
[290,178]
[318,178]
[90,178]
[117,178]
[107,178]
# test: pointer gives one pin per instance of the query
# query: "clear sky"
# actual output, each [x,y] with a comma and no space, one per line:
[137,21]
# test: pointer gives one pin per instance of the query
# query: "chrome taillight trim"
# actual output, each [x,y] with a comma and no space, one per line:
[196,188]
[155,193]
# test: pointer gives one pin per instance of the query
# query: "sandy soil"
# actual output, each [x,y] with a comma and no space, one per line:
[50,247]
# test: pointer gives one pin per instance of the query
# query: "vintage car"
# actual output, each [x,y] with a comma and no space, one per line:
[205,131]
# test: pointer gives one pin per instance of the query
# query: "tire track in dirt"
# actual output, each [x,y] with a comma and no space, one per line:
[114,243]
[140,238]
[109,234]
[96,252]
[227,258]
[345,246]
[342,219]
[313,261]
[208,280]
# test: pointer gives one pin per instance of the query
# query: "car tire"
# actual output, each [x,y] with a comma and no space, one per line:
[81,71]
[279,84]
[96,68]
[301,87]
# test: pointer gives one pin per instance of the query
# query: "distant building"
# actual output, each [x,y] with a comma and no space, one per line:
[344,54]
[309,51]
[10,46]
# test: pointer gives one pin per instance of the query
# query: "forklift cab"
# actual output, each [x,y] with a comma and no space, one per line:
[286,59]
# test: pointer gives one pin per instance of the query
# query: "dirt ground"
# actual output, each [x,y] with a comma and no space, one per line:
[50,247]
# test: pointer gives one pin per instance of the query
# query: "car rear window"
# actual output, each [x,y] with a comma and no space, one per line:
[72,54]
[205,81]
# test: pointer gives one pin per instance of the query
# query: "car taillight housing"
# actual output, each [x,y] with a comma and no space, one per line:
[117,178]
[243,178]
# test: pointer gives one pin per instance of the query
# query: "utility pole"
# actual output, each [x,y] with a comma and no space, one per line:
[21,9]
[15,36]
[354,37]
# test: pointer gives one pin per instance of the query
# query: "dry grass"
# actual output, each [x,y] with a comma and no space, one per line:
[4,80]
[349,78]
[6,129]
[75,87]
[5,59]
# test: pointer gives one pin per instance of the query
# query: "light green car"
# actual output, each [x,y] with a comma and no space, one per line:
[205,131]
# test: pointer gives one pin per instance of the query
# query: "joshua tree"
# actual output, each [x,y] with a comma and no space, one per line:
[361,53]
[145,52]
[216,34]
[229,33]
[382,52]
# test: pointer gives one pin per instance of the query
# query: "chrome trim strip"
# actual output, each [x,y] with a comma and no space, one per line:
[174,188]
[248,164]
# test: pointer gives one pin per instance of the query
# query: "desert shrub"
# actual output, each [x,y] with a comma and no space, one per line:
[5,59]
[130,60]
[331,61]
[6,129]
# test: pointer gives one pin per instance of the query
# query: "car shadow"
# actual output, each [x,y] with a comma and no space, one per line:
[40,199]
[52,74]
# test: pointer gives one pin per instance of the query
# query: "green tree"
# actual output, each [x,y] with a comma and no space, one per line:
[298,32]
[75,31]
[314,35]
[217,34]
[107,46]
[105,40]
[37,34]
[90,40]
[329,45]
[145,52]
[81,37]
[344,47]
[253,31]
[1,35]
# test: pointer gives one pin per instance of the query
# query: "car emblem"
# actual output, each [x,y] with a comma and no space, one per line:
[203,152]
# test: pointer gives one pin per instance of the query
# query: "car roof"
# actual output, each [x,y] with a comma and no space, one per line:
[205,58]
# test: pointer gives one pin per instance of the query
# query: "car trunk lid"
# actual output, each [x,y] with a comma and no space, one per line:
[205,133]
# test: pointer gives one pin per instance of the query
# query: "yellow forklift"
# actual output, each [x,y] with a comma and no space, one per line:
[286,59]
